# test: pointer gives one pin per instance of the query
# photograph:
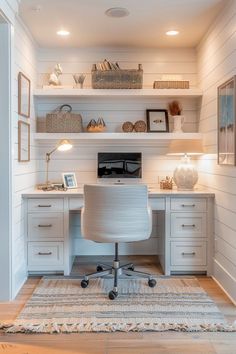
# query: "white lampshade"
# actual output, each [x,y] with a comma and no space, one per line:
[185,175]
[185,147]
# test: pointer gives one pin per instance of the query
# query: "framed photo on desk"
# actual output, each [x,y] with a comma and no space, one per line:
[69,180]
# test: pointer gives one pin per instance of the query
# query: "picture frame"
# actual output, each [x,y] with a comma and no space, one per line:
[157,121]
[24,91]
[23,141]
[69,180]
[226,149]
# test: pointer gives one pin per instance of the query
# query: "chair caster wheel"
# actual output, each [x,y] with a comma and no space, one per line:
[112,295]
[152,283]
[84,283]
[99,268]
[131,268]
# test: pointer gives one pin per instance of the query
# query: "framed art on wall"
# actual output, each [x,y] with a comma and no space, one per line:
[69,180]
[226,122]
[157,121]
[23,141]
[23,95]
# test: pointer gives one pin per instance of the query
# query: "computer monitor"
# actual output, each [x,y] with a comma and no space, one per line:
[119,165]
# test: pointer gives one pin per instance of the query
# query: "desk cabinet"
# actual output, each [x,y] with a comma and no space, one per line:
[185,244]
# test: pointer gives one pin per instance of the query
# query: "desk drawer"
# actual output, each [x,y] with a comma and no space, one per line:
[45,254]
[188,253]
[188,225]
[188,204]
[44,204]
[76,203]
[43,225]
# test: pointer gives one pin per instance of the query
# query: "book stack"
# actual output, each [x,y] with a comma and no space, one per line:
[105,65]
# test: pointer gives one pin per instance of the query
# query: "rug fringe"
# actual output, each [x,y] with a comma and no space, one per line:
[54,327]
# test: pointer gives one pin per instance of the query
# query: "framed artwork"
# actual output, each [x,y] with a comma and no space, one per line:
[23,95]
[226,122]
[157,121]
[23,141]
[69,180]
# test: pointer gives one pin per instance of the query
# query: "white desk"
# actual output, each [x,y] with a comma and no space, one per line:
[187,242]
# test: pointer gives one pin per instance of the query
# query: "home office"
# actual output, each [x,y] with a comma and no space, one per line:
[122,174]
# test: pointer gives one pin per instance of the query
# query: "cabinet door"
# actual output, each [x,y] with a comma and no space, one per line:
[43,225]
[188,225]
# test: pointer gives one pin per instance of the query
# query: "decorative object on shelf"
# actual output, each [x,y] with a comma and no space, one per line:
[185,175]
[54,76]
[157,120]
[117,79]
[64,145]
[69,180]
[170,84]
[63,121]
[226,122]
[140,126]
[23,141]
[175,110]
[166,183]
[79,80]
[98,126]
[127,127]
[23,95]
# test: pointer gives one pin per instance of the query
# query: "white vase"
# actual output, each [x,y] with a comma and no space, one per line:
[185,175]
[178,124]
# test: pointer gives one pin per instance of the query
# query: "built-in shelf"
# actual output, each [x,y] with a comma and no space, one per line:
[73,92]
[118,138]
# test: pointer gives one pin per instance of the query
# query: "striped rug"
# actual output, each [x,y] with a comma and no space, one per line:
[177,304]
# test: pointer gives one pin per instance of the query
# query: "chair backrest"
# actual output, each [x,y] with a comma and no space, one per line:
[116,213]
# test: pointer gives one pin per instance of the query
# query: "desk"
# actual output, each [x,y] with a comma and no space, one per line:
[187,241]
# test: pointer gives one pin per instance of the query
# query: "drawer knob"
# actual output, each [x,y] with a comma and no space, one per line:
[44,206]
[188,253]
[46,225]
[188,205]
[44,253]
[188,225]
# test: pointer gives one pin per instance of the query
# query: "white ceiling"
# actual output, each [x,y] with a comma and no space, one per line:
[144,27]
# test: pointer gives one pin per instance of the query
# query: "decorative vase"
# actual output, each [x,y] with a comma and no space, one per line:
[178,124]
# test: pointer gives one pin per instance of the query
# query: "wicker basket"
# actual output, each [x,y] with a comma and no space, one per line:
[117,79]
[61,121]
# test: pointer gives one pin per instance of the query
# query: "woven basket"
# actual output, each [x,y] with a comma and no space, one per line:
[117,79]
[63,121]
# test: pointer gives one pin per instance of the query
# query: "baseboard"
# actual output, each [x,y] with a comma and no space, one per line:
[225,281]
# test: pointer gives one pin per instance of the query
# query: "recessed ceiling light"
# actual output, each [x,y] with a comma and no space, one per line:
[172,33]
[117,12]
[63,33]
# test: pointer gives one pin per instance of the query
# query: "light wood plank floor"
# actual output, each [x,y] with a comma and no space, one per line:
[118,343]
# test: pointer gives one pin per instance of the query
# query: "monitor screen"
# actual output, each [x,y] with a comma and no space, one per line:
[119,165]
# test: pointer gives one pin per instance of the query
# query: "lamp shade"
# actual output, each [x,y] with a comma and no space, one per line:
[64,145]
[185,147]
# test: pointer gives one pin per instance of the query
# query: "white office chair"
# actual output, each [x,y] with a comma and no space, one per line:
[114,214]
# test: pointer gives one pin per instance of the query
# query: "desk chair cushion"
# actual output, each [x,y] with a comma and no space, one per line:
[116,213]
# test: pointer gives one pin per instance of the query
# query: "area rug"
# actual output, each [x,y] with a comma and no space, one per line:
[176,304]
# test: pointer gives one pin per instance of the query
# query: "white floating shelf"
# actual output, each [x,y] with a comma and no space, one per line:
[118,138]
[73,92]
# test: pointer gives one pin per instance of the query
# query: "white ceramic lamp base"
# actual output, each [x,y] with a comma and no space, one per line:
[185,175]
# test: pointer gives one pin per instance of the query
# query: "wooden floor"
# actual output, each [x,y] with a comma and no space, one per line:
[119,343]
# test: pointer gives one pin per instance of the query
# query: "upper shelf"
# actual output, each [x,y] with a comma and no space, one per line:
[73,92]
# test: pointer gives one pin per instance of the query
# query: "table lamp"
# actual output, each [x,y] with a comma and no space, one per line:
[185,175]
[64,145]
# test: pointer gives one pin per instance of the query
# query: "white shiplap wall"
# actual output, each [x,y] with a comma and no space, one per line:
[24,173]
[216,64]
[82,159]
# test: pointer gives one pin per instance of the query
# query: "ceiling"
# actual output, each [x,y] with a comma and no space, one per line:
[144,27]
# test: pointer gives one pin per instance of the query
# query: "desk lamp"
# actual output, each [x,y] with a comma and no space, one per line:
[185,175]
[64,145]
